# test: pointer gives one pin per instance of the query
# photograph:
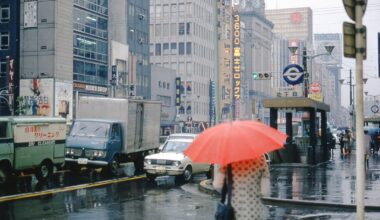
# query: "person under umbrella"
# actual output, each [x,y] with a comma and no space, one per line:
[239,146]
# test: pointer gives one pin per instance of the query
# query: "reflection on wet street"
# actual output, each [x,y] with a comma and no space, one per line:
[165,198]
[330,182]
[138,199]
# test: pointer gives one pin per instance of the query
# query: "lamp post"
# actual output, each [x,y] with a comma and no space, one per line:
[308,76]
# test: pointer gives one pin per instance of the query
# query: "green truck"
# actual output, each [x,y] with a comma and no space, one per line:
[31,145]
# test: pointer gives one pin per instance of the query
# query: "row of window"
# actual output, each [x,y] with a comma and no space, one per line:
[90,48]
[180,29]
[90,23]
[172,10]
[90,72]
[4,41]
[188,68]
[98,6]
[181,10]
[163,49]
[164,85]
[5,13]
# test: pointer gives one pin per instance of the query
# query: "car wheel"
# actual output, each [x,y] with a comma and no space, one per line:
[44,171]
[4,175]
[151,177]
[187,174]
[114,166]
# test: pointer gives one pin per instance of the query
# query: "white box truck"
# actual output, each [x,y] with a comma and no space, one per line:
[111,131]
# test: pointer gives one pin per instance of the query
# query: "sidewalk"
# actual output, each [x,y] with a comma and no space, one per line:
[326,186]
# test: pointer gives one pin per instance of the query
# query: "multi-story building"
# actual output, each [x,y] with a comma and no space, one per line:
[90,47]
[163,89]
[46,57]
[224,58]
[292,23]
[328,70]
[182,37]
[9,54]
[257,40]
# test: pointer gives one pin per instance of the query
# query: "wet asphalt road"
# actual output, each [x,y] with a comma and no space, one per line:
[166,199]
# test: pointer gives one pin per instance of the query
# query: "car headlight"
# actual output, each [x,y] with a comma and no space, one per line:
[99,153]
[69,151]
[148,161]
[176,163]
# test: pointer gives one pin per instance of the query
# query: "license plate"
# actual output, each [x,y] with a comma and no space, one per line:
[82,160]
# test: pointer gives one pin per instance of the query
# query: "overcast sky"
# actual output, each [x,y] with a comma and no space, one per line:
[328,17]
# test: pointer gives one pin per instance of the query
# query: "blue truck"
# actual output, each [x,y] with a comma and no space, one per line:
[111,131]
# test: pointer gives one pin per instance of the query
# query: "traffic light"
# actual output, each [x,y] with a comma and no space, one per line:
[261,76]
[255,76]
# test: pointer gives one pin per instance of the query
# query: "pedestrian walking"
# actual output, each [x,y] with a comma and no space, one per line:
[367,148]
[347,138]
[251,182]
[341,143]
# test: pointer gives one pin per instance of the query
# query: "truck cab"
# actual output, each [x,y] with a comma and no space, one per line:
[93,142]
[31,145]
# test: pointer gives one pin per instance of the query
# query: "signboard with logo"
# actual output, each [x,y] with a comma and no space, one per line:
[236,64]
[289,91]
[37,96]
[293,74]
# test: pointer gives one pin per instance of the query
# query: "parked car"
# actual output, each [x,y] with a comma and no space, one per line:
[190,136]
[171,161]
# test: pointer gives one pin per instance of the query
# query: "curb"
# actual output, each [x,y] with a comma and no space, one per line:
[206,187]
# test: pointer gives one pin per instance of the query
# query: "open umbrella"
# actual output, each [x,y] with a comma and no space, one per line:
[234,141]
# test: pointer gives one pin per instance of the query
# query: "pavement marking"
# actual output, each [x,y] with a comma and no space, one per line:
[68,188]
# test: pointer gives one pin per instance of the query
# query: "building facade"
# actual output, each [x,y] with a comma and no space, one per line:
[257,38]
[9,54]
[46,58]
[328,71]
[90,48]
[164,90]
[182,38]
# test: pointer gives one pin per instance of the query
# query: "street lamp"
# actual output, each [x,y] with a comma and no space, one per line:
[308,77]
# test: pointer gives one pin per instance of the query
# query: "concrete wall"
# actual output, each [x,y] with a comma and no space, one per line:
[46,49]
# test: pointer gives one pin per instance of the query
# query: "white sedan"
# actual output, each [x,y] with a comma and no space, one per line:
[171,161]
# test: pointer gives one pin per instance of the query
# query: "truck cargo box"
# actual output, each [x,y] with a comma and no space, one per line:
[140,119]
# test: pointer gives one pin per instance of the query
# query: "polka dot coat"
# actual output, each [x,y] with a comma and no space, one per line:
[246,189]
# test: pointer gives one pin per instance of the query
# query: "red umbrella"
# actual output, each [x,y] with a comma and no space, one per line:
[234,141]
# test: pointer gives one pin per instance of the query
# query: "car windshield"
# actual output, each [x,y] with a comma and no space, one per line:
[175,146]
[90,129]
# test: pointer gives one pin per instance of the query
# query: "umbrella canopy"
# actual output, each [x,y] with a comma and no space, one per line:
[234,141]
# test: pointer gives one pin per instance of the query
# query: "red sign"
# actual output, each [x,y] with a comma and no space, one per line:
[315,88]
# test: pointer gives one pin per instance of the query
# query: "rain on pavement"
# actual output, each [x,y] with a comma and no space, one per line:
[166,199]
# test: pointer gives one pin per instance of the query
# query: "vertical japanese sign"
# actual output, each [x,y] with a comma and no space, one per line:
[236,61]
[212,102]
[10,80]
[177,91]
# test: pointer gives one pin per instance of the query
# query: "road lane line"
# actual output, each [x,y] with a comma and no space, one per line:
[68,188]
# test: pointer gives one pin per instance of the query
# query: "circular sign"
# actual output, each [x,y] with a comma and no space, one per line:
[375,109]
[293,74]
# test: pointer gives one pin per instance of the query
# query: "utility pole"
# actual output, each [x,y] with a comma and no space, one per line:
[355,47]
